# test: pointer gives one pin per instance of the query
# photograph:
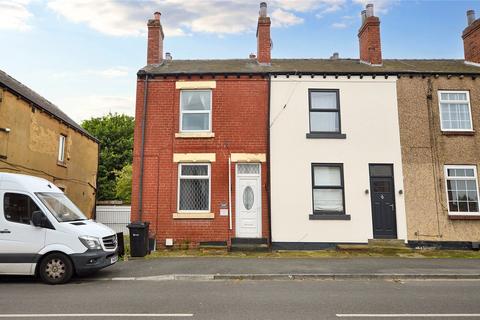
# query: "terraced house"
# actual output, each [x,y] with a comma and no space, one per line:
[37,138]
[308,153]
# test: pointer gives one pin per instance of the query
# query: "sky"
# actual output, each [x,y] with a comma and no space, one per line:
[83,55]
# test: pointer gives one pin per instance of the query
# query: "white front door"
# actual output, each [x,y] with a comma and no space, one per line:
[248,218]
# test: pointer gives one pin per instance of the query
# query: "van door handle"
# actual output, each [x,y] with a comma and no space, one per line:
[5,231]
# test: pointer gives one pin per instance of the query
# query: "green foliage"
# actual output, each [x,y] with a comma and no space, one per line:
[115,133]
[123,188]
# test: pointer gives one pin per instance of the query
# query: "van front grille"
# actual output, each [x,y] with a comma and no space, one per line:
[110,242]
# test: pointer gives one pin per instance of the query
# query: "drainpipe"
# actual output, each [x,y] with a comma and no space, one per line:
[269,198]
[142,147]
[94,216]
[230,192]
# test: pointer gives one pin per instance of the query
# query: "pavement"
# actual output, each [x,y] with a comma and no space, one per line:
[225,268]
[279,300]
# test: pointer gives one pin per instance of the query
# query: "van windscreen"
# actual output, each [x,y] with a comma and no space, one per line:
[61,207]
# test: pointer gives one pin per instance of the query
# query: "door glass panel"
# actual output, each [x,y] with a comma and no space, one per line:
[381,186]
[248,168]
[381,171]
[248,197]
[18,207]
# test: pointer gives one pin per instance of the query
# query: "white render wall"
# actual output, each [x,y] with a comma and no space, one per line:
[369,118]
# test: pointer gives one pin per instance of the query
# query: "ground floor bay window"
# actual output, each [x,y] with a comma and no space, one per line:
[462,189]
[194,188]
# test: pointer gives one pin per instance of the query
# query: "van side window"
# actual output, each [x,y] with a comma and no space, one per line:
[18,207]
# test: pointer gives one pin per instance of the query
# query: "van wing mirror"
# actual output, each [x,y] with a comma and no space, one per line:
[40,220]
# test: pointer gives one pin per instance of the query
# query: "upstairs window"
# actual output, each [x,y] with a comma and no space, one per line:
[324,107]
[462,189]
[328,189]
[195,110]
[455,111]
[61,148]
[194,187]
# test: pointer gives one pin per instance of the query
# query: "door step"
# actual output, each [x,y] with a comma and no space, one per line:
[250,244]
[388,243]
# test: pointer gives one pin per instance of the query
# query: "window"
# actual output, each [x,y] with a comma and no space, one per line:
[18,207]
[194,187]
[195,110]
[324,109]
[455,111]
[61,148]
[462,189]
[328,192]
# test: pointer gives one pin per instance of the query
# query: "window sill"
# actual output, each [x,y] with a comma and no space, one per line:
[329,217]
[194,135]
[193,215]
[464,217]
[459,133]
[314,135]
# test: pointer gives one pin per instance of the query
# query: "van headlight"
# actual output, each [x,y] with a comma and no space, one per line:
[90,242]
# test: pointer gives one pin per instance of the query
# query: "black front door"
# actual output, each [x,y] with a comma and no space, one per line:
[383,202]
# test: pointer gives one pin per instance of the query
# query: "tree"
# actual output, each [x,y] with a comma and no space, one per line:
[115,133]
[123,187]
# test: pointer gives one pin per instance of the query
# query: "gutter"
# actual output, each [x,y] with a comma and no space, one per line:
[142,148]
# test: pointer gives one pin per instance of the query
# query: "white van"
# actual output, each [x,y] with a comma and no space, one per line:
[43,233]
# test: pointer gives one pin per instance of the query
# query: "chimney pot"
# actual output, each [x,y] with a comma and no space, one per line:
[263,9]
[364,15]
[168,56]
[157,15]
[470,16]
[369,10]
[335,56]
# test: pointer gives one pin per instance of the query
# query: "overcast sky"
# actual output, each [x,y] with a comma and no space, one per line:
[83,54]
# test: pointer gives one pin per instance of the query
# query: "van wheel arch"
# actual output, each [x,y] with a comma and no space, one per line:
[45,255]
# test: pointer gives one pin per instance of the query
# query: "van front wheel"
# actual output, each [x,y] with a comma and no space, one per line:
[55,268]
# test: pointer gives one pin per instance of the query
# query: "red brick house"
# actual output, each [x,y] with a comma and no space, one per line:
[201,140]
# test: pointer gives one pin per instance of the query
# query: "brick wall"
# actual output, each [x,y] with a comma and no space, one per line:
[239,121]
[471,42]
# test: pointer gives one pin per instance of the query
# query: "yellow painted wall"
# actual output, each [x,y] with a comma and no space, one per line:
[31,147]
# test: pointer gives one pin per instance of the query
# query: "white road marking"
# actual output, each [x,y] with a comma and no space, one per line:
[97,315]
[409,315]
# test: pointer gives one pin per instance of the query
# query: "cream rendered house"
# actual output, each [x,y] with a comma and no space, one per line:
[336,167]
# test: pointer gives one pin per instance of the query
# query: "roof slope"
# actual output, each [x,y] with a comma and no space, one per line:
[311,66]
[39,101]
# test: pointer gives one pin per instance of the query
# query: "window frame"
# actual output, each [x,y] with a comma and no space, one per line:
[61,148]
[440,101]
[461,166]
[209,176]
[337,110]
[341,187]
[195,111]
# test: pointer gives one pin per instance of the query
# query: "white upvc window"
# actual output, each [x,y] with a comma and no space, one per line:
[61,148]
[462,189]
[455,111]
[193,187]
[196,111]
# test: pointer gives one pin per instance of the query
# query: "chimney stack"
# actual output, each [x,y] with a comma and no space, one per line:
[471,39]
[155,40]
[369,37]
[263,36]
